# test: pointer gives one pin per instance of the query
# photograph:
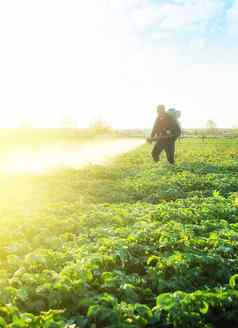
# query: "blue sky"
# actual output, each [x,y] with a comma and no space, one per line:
[117,59]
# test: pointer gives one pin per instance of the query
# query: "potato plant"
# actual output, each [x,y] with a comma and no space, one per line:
[132,245]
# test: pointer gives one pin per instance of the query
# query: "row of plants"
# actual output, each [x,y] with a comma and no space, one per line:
[97,260]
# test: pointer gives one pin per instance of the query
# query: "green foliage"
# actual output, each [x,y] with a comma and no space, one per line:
[139,245]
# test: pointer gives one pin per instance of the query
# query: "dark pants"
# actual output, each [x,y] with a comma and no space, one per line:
[168,146]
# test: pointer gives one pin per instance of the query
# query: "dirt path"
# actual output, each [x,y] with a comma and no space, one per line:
[75,156]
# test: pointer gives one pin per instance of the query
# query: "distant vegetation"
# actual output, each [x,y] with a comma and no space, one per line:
[31,136]
[210,132]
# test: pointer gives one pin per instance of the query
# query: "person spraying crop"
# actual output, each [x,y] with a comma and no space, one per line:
[165,132]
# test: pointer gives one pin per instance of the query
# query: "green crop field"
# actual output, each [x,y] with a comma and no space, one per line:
[130,245]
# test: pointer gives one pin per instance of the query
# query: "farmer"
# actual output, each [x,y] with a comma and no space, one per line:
[166,130]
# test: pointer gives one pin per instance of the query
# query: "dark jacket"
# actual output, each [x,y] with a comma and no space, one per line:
[166,124]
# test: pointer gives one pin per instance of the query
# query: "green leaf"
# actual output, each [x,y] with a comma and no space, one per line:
[165,301]
[2,322]
[232,281]
[204,309]
[22,294]
[152,260]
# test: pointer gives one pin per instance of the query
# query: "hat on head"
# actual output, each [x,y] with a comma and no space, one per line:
[160,108]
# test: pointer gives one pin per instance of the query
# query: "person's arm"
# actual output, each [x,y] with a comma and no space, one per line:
[155,129]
